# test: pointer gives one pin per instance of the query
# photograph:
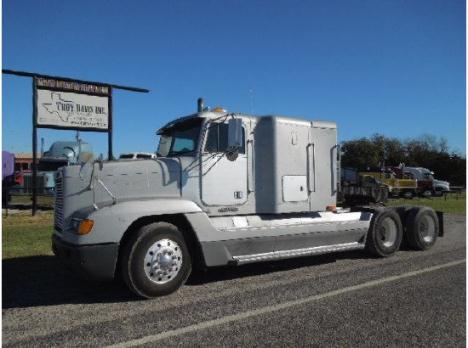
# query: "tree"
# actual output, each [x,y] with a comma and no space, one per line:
[425,151]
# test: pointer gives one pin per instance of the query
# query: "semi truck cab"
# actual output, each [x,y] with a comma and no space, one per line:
[225,189]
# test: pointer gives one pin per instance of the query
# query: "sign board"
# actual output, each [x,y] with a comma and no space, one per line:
[72,105]
[64,103]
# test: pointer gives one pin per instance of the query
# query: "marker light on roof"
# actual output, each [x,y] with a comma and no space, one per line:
[219,109]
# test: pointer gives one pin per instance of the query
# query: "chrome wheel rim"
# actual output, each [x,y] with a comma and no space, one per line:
[163,261]
[427,228]
[388,232]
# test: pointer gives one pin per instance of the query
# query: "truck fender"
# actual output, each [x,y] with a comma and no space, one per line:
[111,222]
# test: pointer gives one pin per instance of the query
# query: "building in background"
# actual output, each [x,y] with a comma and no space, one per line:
[24,160]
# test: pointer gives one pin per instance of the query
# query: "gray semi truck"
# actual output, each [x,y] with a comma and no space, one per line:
[60,153]
[225,189]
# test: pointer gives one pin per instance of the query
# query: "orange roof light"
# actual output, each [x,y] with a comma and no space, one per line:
[219,109]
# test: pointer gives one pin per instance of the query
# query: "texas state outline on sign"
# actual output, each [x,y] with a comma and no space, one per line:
[50,106]
[71,110]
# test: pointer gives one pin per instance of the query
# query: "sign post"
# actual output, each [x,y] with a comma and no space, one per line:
[64,103]
[34,150]
[109,133]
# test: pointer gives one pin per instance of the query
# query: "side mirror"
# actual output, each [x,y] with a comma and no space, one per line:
[100,161]
[234,134]
[234,138]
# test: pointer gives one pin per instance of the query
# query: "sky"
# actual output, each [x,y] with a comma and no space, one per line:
[393,67]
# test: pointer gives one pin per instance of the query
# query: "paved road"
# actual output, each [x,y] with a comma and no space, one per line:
[347,299]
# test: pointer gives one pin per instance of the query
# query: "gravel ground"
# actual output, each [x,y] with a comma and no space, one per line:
[345,299]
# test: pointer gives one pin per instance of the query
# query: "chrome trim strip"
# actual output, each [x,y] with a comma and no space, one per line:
[285,254]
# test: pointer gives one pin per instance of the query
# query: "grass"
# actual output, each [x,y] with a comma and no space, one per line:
[26,235]
[453,204]
[43,201]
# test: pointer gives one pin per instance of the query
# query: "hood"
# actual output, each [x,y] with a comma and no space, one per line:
[127,179]
[440,185]
[89,187]
[441,182]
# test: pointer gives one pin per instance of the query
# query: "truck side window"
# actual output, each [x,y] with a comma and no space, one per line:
[217,140]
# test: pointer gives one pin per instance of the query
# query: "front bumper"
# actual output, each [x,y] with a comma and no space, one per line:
[97,261]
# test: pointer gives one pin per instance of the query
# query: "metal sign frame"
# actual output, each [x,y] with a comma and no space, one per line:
[35,87]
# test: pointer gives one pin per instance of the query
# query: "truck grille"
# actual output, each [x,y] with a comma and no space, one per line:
[28,183]
[58,200]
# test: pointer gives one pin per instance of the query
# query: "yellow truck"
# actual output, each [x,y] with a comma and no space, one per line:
[396,187]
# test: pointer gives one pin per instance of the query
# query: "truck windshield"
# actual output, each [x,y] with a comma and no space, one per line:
[48,166]
[181,139]
[126,156]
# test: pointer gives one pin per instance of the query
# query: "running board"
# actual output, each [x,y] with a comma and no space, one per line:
[287,254]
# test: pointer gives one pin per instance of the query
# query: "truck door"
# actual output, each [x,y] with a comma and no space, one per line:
[223,180]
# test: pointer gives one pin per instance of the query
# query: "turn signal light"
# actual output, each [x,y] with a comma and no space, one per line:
[85,226]
[331,208]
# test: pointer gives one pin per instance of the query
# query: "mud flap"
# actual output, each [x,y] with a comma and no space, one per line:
[440,217]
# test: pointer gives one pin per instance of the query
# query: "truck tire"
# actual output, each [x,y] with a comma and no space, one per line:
[422,228]
[408,194]
[427,193]
[403,211]
[385,233]
[155,260]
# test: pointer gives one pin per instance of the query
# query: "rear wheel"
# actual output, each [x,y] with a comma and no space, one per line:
[155,261]
[422,228]
[408,194]
[385,233]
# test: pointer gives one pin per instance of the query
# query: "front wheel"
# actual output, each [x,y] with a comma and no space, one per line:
[427,193]
[156,260]
[385,233]
[408,194]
